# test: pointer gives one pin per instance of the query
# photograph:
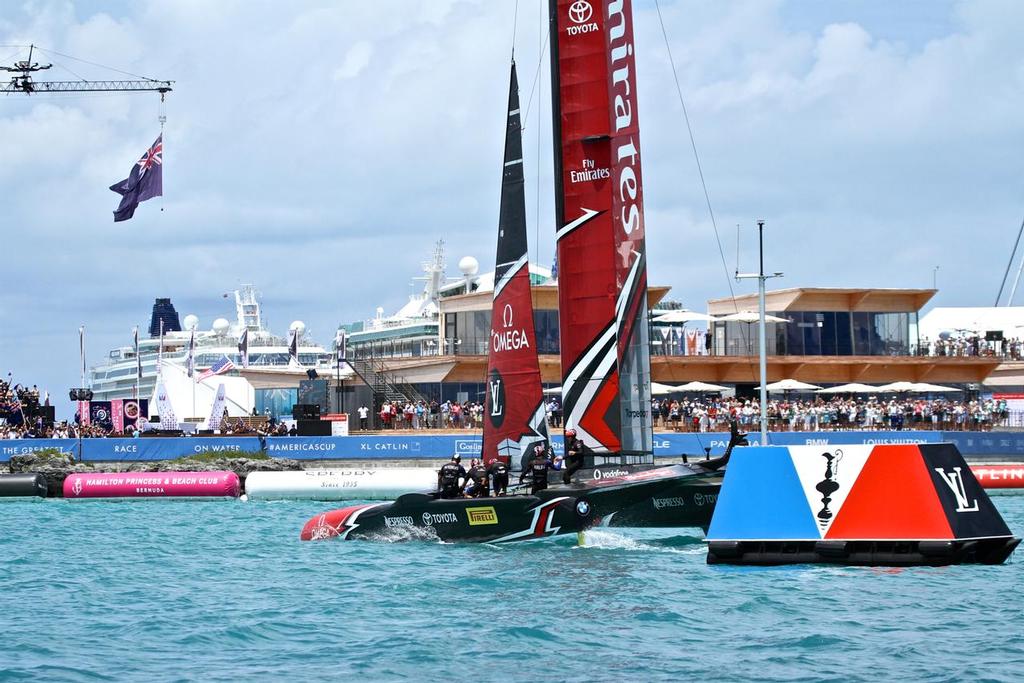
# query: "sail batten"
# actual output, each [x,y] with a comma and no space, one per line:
[600,226]
[514,416]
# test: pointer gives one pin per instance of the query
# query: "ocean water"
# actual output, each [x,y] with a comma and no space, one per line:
[167,590]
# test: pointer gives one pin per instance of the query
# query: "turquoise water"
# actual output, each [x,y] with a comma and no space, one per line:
[164,590]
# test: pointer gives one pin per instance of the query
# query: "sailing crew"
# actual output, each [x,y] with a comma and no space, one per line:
[448,478]
[478,478]
[498,472]
[575,449]
[537,469]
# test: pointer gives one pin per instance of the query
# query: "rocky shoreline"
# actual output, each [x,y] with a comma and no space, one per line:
[56,467]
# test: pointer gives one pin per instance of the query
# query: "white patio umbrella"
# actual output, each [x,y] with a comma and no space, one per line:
[683,316]
[700,386]
[658,389]
[925,388]
[750,317]
[852,388]
[791,385]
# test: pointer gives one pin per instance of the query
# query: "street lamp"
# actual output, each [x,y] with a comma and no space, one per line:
[762,351]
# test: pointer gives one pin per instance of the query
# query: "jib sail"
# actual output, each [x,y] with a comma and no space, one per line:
[602,265]
[514,419]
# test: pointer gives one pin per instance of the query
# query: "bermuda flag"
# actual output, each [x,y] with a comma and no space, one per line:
[243,347]
[145,181]
[218,368]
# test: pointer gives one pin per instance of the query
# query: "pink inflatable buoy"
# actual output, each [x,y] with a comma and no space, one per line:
[152,485]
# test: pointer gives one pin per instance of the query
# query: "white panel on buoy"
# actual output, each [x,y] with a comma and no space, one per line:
[371,483]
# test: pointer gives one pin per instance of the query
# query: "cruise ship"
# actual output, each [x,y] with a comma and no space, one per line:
[116,378]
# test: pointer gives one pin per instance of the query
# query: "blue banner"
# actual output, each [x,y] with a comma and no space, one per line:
[437,446]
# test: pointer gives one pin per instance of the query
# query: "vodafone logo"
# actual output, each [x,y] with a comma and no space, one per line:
[580,11]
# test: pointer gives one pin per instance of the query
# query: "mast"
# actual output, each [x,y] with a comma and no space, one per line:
[514,419]
[602,265]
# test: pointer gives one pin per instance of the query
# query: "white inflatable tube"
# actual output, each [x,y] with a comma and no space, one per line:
[371,483]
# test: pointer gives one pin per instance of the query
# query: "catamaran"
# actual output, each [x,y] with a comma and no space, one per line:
[602,315]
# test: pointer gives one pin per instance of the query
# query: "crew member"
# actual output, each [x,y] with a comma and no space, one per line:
[448,477]
[575,449]
[537,469]
[498,471]
[479,485]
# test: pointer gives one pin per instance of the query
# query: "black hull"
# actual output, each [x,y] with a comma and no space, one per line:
[881,553]
[689,502]
[554,511]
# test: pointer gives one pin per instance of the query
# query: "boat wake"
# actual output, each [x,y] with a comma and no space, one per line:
[604,539]
[403,534]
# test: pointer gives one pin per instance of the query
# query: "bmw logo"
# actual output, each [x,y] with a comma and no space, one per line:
[582,508]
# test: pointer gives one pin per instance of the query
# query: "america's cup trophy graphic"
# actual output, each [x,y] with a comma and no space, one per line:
[828,486]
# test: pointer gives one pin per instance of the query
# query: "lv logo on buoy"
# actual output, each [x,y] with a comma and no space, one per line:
[955,481]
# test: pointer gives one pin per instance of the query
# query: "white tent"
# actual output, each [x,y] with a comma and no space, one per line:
[701,386]
[791,385]
[683,316]
[972,320]
[852,388]
[658,389]
[239,395]
[750,317]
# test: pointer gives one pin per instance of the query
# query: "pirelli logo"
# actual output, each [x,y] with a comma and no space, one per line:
[478,516]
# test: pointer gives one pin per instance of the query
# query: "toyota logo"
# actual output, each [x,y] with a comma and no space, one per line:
[580,11]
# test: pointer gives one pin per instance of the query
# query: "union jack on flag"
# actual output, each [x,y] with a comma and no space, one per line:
[153,155]
[218,368]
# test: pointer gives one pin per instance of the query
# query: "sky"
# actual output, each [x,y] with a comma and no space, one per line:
[319,149]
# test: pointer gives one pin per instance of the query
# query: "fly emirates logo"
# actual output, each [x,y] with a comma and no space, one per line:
[627,156]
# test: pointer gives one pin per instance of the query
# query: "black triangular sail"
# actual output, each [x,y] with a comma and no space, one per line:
[514,405]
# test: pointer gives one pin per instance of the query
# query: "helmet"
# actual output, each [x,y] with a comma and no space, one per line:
[570,432]
[457,457]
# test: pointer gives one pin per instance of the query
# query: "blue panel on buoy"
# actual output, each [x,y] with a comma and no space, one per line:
[762,498]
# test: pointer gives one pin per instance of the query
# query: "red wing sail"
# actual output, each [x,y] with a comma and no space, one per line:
[514,419]
[602,266]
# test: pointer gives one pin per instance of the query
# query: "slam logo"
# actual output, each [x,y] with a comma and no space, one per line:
[580,13]
[482,516]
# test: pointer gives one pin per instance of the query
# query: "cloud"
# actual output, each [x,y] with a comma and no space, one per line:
[320,149]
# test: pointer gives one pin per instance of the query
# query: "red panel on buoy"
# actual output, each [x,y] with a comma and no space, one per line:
[894,497]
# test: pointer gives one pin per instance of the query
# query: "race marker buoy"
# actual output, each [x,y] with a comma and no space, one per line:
[22,485]
[152,485]
[891,505]
[370,483]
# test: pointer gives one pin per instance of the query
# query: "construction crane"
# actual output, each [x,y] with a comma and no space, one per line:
[25,83]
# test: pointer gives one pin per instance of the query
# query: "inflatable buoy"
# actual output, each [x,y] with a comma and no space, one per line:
[31,484]
[1001,476]
[370,483]
[152,485]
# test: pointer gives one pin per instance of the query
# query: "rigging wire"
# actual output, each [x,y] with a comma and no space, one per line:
[700,172]
[1009,263]
[696,156]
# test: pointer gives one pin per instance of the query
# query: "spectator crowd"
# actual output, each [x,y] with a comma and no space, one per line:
[873,413]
